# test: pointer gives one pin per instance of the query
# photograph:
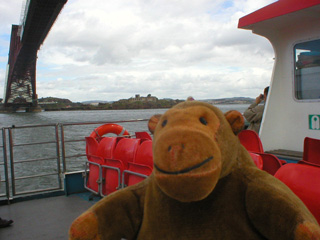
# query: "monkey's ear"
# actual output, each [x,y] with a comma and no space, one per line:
[153,122]
[235,120]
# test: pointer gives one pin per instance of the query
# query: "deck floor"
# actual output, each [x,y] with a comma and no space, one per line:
[47,218]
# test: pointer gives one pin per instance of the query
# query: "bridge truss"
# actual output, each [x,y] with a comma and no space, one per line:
[26,39]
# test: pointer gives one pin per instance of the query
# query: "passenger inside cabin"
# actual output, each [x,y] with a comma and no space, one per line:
[254,112]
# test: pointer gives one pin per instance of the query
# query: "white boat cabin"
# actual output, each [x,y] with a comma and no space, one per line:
[292,110]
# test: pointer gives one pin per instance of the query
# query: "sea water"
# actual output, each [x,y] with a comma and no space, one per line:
[22,153]
[53,117]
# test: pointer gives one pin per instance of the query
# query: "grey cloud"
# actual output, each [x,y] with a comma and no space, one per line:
[163,47]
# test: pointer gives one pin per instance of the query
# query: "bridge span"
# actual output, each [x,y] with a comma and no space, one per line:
[26,39]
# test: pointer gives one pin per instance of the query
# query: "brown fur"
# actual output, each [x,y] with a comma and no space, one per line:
[223,197]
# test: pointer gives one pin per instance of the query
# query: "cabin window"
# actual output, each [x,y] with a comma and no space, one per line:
[307,70]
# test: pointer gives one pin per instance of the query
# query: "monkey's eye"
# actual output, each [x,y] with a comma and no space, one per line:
[164,123]
[203,121]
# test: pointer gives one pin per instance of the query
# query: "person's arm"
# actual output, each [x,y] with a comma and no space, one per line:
[254,111]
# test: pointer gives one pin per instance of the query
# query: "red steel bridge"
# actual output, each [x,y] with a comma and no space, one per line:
[26,39]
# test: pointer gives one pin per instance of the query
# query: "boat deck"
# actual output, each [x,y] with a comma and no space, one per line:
[289,156]
[46,218]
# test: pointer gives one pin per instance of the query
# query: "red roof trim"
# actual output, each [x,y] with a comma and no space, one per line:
[276,9]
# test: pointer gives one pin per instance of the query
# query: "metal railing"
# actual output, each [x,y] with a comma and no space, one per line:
[36,157]
[13,162]
[4,163]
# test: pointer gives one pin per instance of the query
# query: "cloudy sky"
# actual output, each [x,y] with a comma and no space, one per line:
[109,50]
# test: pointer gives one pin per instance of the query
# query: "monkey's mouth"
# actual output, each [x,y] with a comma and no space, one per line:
[185,170]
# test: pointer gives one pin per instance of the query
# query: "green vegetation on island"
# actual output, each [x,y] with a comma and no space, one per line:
[149,102]
[137,102]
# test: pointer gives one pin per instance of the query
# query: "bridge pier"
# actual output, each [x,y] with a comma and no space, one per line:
[17,108]
[34,109]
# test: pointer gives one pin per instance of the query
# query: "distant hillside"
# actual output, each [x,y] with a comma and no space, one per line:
[234,100]
[54,100]
[58,104]
[96,101]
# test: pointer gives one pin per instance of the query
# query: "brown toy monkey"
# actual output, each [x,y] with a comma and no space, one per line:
[204,186]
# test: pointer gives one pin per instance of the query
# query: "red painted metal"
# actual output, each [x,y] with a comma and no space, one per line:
[21,84]
[276,9]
